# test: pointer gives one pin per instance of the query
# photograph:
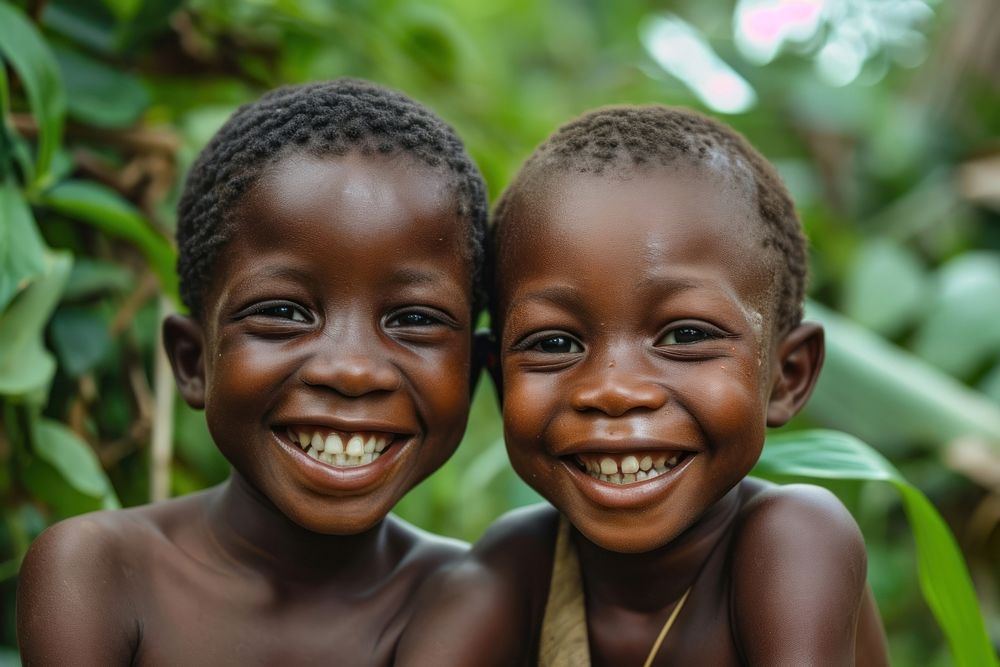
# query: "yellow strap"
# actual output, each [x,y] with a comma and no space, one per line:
[666,628]
[564,627]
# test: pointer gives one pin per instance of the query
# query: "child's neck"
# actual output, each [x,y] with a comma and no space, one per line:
[256,535]
[646,582]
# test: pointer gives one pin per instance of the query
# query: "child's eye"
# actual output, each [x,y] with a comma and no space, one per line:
[557,345]
[412,318]
[283,311]
[684,335]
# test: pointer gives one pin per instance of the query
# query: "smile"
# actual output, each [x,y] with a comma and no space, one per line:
[340,449]
[627,468]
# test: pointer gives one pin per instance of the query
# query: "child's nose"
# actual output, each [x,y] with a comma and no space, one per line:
[351,364]
[616,391]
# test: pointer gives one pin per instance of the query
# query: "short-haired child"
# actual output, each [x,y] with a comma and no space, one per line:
[649,271]
[330,238]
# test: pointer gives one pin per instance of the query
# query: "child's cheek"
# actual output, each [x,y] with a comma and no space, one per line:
[729,407]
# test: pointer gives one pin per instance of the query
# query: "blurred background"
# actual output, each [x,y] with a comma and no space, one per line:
[883,116]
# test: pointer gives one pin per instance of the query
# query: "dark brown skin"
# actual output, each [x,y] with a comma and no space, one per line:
[635,319]
[341,304]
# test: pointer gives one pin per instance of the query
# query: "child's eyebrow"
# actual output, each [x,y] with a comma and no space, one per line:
[669,284]
[412,276]
[560,295]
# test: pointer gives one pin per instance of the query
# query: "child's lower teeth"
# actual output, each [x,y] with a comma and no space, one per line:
[343,460]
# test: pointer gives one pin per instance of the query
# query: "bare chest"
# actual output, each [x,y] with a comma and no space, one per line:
[194,615]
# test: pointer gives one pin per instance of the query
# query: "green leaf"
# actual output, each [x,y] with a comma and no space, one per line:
[105,209]
[22,251]
[26,367]
[92,278]
[123,10]
[885,287]
[80,337]
[45,483]
[98,94]
[961,330]
[24,48]
[944,578]
[73,458]
[890,397]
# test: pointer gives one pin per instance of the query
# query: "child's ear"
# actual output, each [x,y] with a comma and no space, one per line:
[800,358]
[183,340]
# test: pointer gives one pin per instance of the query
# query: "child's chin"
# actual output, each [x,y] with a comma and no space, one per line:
[625,539]
[338,520]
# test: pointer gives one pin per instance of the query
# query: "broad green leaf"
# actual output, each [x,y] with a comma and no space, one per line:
[92,278]
[26,367]
[24,48]
[105,209]
[80,337]
[962,328]
[87,24]
[885,288]
[22,251]
[890,397]
[46,484]
[944,578]
[73,458]
[98,94]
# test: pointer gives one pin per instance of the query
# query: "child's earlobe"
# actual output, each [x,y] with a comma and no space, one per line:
[800,358]
[184,343]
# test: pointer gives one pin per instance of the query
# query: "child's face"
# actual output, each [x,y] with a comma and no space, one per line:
[339,319]
[636,350]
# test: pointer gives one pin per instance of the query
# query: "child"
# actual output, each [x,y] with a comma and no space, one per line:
[648,289]
[330,237]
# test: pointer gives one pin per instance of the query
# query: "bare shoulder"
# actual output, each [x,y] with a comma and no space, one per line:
[74,597]
[488,599]
[798,573]
[420,550]
[798,511]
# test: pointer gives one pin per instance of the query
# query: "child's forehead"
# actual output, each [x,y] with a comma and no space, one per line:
[708,203]
[661,218]
[300,179]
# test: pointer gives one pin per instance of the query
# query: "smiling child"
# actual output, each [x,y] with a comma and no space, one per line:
[648,289]
[330,241]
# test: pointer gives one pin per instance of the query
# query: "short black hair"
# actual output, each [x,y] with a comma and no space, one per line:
[326,118]
[622,139]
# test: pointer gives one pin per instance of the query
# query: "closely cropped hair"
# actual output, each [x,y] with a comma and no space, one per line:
[623,139]
[329,118]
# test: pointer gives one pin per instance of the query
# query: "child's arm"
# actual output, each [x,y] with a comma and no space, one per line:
[72,604]
[799,570]
[487,608]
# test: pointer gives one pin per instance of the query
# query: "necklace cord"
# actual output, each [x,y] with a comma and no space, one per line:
[666,628]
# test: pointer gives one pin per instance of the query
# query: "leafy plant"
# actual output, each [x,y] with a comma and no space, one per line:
[104,102]
[831,455]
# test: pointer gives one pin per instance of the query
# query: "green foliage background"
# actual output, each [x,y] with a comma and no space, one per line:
[897,176]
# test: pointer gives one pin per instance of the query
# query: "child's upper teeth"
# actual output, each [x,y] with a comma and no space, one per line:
[334,444]
[627,468]
[608,466]
[328,447]
[630,465]
[355,446]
